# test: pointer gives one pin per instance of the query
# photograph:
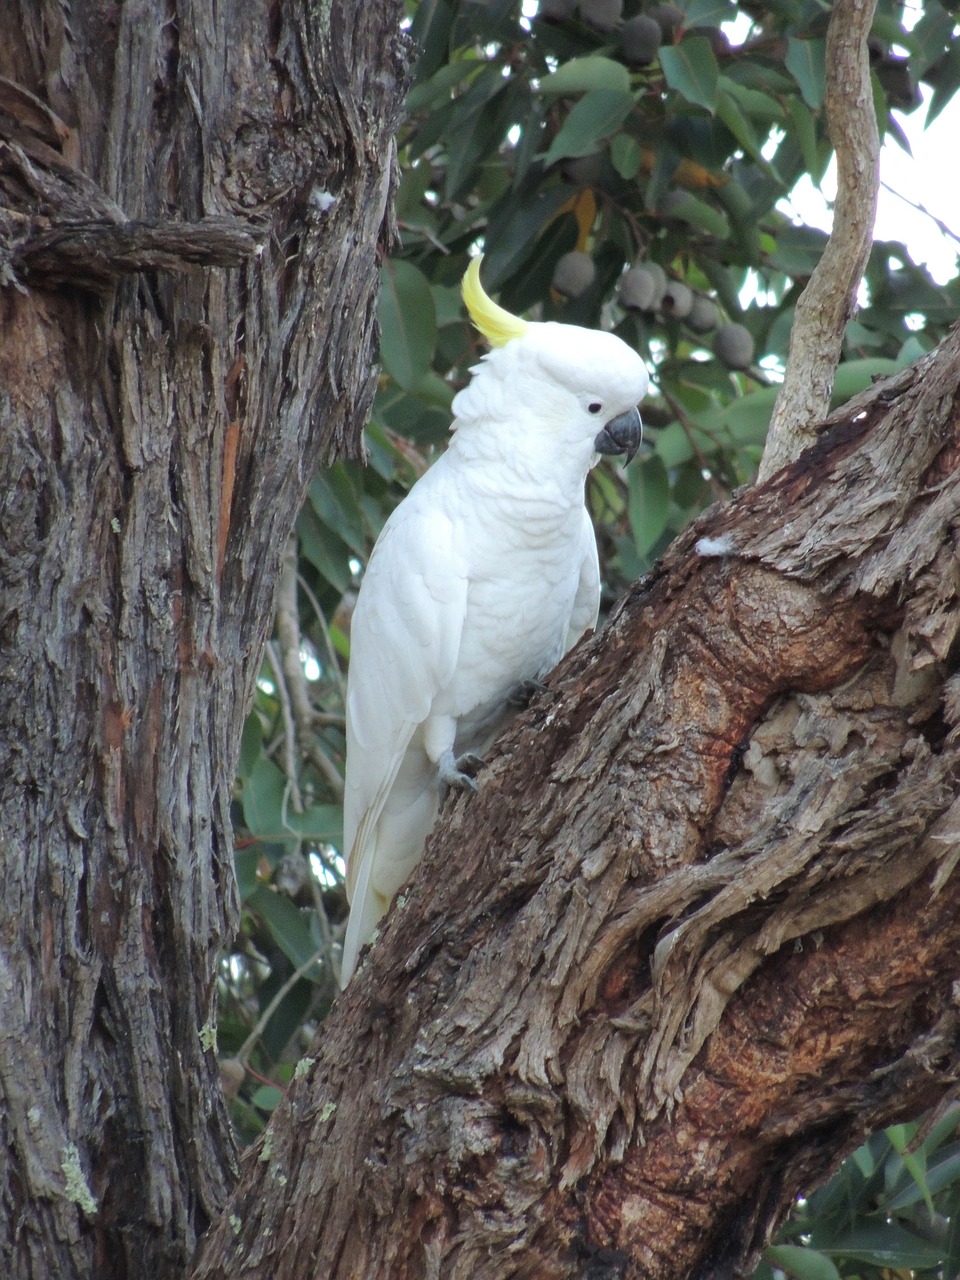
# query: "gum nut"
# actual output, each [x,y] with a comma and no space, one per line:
[574,273]
[637,289]
[667,17]
[702,316]
[640,40]
[733,344]
[659,279]
[677,300]
[602,15]
[556,10]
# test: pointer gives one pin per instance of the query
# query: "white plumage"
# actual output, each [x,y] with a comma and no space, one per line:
[483,578]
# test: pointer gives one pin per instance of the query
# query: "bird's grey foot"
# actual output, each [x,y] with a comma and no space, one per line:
[524,693]
[458,772]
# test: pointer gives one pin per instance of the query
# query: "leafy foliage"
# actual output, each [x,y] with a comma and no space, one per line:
[892,1209]
[667,149]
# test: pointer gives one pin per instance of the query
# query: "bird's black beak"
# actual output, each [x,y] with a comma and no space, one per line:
[621,435]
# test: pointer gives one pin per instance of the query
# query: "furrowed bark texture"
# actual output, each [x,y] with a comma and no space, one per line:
[192,202]
[698,932]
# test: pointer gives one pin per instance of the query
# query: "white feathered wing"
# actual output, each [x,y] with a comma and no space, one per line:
[453,615]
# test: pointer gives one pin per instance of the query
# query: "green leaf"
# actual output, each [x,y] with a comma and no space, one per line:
[513,230]
[728,109]
[245,862]
[430,33]
[915,1162]
[930,38]
[268,813]
[854,376]
[597,115]
[287,924]
[707,13]
[691,69]
[864,1161]
[649,502]
[938,1175]
[888,28]
[744,420]
[697,213]
[945,81]
[267,1098]
[805,1264]
[408,322]
[580,75]
[753,102]
[804,128]
[336,502]
[675,445]
[884,1244]
[251,745]
[478,135]
[626,155]
[438,87]
[805,62]
[798,250]
[324,549]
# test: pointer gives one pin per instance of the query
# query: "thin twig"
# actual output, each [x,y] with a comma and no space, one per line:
[290,732]
[720,492]
[259,1027]
[290,643]
[332,657]
[938,222]
[287,626]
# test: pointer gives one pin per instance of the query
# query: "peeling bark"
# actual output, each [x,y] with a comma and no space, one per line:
[160,418]
[697,934]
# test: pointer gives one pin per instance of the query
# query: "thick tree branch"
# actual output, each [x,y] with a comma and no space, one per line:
[699,929]
[57,226]
[826,303]
[97,255]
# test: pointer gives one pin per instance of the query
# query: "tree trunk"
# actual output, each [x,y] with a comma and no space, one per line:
[697,933]
[192,201]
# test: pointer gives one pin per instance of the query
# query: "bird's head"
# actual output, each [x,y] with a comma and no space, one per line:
[583,383]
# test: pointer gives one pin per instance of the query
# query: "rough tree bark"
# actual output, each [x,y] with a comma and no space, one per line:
[192,200]
[830,296]
[697,934]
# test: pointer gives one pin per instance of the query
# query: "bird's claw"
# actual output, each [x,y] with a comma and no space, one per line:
[458,772]
[524,693]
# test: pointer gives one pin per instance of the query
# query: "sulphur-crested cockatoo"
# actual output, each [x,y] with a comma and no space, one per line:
[482,579]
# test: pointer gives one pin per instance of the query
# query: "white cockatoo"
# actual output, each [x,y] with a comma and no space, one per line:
[482,579]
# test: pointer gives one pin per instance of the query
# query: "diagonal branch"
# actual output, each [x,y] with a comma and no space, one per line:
[697,932]
[830,296]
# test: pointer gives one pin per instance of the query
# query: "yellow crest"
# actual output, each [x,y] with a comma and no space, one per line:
[496,325]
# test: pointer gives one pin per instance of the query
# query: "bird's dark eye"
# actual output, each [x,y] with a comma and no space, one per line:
[595,406]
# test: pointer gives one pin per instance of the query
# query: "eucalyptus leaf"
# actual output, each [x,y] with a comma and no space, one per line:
[802,1263]
[580,75]
[805,62]
[408,322]
[594,118]
[691,69]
